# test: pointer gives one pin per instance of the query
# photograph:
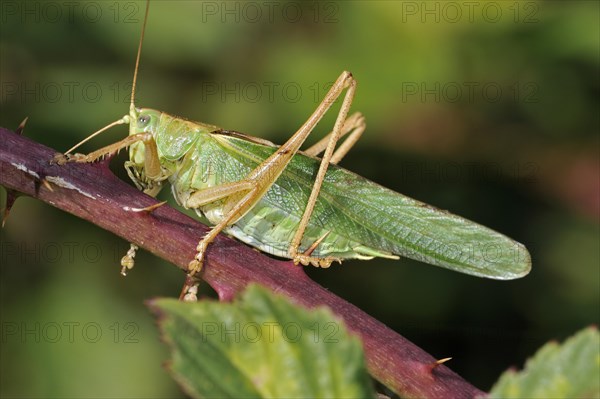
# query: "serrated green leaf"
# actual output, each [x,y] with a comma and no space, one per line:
[261,346]
[570,370]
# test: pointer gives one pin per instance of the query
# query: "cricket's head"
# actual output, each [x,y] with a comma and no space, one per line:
[141,120]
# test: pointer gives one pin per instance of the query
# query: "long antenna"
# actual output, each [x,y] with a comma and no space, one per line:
[125,119]
[137,60]
[91,136]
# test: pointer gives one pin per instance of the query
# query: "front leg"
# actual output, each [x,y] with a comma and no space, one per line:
[151,160]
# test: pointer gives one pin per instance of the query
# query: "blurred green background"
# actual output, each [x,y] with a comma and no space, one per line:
[487,109]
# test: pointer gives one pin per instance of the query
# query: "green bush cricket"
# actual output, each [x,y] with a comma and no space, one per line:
[297,204]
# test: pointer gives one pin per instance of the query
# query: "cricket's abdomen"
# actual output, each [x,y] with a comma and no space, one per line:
[271,223]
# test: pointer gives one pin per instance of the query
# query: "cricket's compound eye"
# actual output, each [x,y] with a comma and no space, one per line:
[143,120]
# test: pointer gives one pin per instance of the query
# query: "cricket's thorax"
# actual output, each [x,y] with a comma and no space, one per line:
[175,138]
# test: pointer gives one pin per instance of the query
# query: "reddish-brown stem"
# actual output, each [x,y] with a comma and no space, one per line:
[92,192]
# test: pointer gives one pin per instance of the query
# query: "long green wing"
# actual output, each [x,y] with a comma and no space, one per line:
[354,207]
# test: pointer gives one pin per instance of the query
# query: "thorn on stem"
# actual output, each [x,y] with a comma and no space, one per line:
[12,195]
[21,127]
[47,184]
[439,362]
[146,209]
